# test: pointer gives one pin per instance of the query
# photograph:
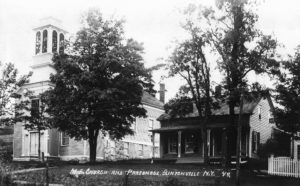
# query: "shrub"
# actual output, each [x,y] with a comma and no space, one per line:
[6,154]
[5,175]
[279,145]
[172,182]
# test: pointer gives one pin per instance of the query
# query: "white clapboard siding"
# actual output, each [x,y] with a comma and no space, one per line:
[284,166]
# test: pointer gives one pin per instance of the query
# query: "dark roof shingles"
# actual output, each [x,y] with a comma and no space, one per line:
[248,108]
[150,100]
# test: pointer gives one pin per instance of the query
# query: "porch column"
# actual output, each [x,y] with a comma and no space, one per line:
[179,144]
[46,136]
[23,142]
[208,142]
[84,148]
[224,146]
[247,144]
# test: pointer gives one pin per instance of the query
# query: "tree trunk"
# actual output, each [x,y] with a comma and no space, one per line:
[93,136]
[228,132]
[93,151]
[207,114]
[39,145]
[238,142]
[204,139]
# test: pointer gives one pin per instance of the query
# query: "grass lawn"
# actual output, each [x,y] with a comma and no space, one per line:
[113,173]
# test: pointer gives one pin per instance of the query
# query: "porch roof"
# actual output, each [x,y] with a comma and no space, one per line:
[189,127]
[176,128]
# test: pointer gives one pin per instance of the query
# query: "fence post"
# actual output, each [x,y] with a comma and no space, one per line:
[47,174]
[271,164]
[217,182]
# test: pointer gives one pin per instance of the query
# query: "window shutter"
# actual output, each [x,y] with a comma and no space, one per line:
[253,141]
[258,139]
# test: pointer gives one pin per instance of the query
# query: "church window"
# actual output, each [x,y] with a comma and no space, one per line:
[61,43]
[54,41]
[64,139]
[38,43]
[35,106]
[45,41]
[126,148]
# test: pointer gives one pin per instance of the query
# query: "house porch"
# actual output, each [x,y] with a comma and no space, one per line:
[186,145]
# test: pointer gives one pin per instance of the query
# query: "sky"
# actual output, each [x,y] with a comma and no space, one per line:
[155,23]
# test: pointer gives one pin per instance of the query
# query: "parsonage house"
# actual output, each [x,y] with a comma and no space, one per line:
[50,36]
[180,137]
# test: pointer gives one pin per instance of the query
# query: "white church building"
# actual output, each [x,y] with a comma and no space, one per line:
[49,39]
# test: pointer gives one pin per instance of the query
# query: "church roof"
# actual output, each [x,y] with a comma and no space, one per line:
[150,100]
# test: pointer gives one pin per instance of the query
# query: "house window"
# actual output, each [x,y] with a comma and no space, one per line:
[259,112]
[151,124]
[35,105]
[126,148]
[298,151]
[172,145]
[150,127]
[189,143]
[64,139]
[255,141]
[140,150]
[156,150]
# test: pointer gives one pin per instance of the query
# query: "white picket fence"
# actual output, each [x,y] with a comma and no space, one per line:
[284,166]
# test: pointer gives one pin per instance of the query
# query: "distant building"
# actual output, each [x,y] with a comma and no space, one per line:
[49,39]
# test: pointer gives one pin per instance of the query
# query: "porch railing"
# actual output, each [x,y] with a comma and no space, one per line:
[284,166]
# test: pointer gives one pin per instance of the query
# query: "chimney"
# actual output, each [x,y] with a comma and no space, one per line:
[218,91]
[162,91]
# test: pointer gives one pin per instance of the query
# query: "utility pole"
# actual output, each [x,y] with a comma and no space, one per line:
[238,143]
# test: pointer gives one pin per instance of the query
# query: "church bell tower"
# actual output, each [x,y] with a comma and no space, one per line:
[49,39]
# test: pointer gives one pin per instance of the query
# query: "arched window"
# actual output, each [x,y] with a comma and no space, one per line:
[61,43]
[45,41]
[38,43]
[54,41]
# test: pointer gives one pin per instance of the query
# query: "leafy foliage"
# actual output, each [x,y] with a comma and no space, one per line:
[179,106]
[10,83]
[189,62]
[229,31]
[100,83]
[288,95]
[31,110]
[278,145]
[242,48]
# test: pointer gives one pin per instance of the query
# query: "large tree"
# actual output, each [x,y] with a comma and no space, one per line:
[99,83]
[189,61]
[288,95]
[241,46]
[10,83]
